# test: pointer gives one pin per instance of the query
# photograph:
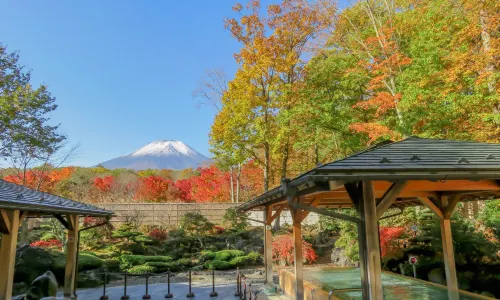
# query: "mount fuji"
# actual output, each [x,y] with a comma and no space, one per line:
[165,154]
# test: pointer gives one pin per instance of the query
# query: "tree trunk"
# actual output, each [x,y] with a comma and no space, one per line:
[238,176]
[231,183]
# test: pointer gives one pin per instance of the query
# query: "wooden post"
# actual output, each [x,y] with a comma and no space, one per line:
[8,253]
[448,254]
[268,245]
[71,249]
[372,250]
[299,274]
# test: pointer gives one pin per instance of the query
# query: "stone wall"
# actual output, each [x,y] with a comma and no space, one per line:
[170,214]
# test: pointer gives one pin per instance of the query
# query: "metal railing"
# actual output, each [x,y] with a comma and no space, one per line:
[243,286]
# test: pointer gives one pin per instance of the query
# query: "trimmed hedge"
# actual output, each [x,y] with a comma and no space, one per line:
[142,269]
[160,267]
[129,261]
[221,265]
[227,255]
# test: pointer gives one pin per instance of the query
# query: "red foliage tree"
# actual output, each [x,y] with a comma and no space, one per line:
[283,250]
[104,184]
[155,189]
[158,234]
[47,244]
[211,185]
[184,187]
[388,239]
[40,179]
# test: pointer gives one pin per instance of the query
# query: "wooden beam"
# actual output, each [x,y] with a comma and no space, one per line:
[432,206]
[8,253]
[64,222]
[268,245]
[449,259]
[325,212]
[71,264]
[448,210]
[23,216]
[6,219]
[276,214]
[372,250]
[390,196]
[305,213]
[298,264]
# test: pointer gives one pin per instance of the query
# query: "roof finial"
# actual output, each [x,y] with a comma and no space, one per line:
[415,157]
[463,160]
[490,156]
[384,160]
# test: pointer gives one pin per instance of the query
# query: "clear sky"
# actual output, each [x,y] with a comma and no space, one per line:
[123,72]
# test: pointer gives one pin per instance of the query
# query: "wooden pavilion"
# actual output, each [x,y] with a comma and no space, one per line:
[415,171]
[17,203]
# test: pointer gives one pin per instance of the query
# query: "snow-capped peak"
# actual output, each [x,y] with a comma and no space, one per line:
[165,148]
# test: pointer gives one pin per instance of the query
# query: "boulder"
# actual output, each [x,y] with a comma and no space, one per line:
[437,276]
[31,262]
[338,258]
[43,286]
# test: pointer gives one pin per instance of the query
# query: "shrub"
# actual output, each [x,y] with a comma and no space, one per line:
[283,250]
[129,261]
[227,255]
[142,269]
[112,265]
[206,256]
[194,223]
[88,261]
[47,244]
[161,267]
[48,237]
[221,265]
[233,221]
[158,234]
[219,229]
[251,259]
[184,262]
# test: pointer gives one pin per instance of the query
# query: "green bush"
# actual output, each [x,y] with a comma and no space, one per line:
[48,236]
[227,255]
[208,265]
[232,220]
[161,267]
[88,261]
[129,261]
[251,259]
[221,265]
[206,256]
[142,269]
[112,265]
[184,262]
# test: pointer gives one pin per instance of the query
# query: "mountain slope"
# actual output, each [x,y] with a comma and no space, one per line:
[167,154]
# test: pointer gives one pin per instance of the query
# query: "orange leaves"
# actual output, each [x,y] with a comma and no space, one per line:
[40,179]
[373,130]
[382,101]
[104,184]
[154,189]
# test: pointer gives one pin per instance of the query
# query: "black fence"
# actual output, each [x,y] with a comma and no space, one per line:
[244,289]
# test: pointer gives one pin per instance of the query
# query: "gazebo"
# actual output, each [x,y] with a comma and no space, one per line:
[415,171]
[17,203]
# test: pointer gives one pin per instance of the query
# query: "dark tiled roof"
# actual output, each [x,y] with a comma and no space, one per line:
[419,153]
[14,196]
[415,158]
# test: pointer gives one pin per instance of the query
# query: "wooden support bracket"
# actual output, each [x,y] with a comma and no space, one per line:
[6,221]
[428,202]
[390,196]
[276,214]
[65,223]
[452,203]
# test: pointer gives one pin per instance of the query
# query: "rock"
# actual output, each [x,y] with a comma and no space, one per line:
[90,278]
[339,259]
[43,286]
[31,262]
[437,276]
[18,297]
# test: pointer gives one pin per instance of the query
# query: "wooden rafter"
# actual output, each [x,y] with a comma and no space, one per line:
[276,214]
[325,212]
[64,222]
[305,213]
[390,197]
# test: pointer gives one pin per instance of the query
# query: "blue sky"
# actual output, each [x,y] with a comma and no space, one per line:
[123,72]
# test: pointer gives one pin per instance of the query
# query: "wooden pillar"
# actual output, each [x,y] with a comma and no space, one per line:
[372,250]
[268,245]
[8,252]
[448,253]
[299,273]
[71,249]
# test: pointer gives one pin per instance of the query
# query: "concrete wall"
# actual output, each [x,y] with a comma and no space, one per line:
[170,214]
